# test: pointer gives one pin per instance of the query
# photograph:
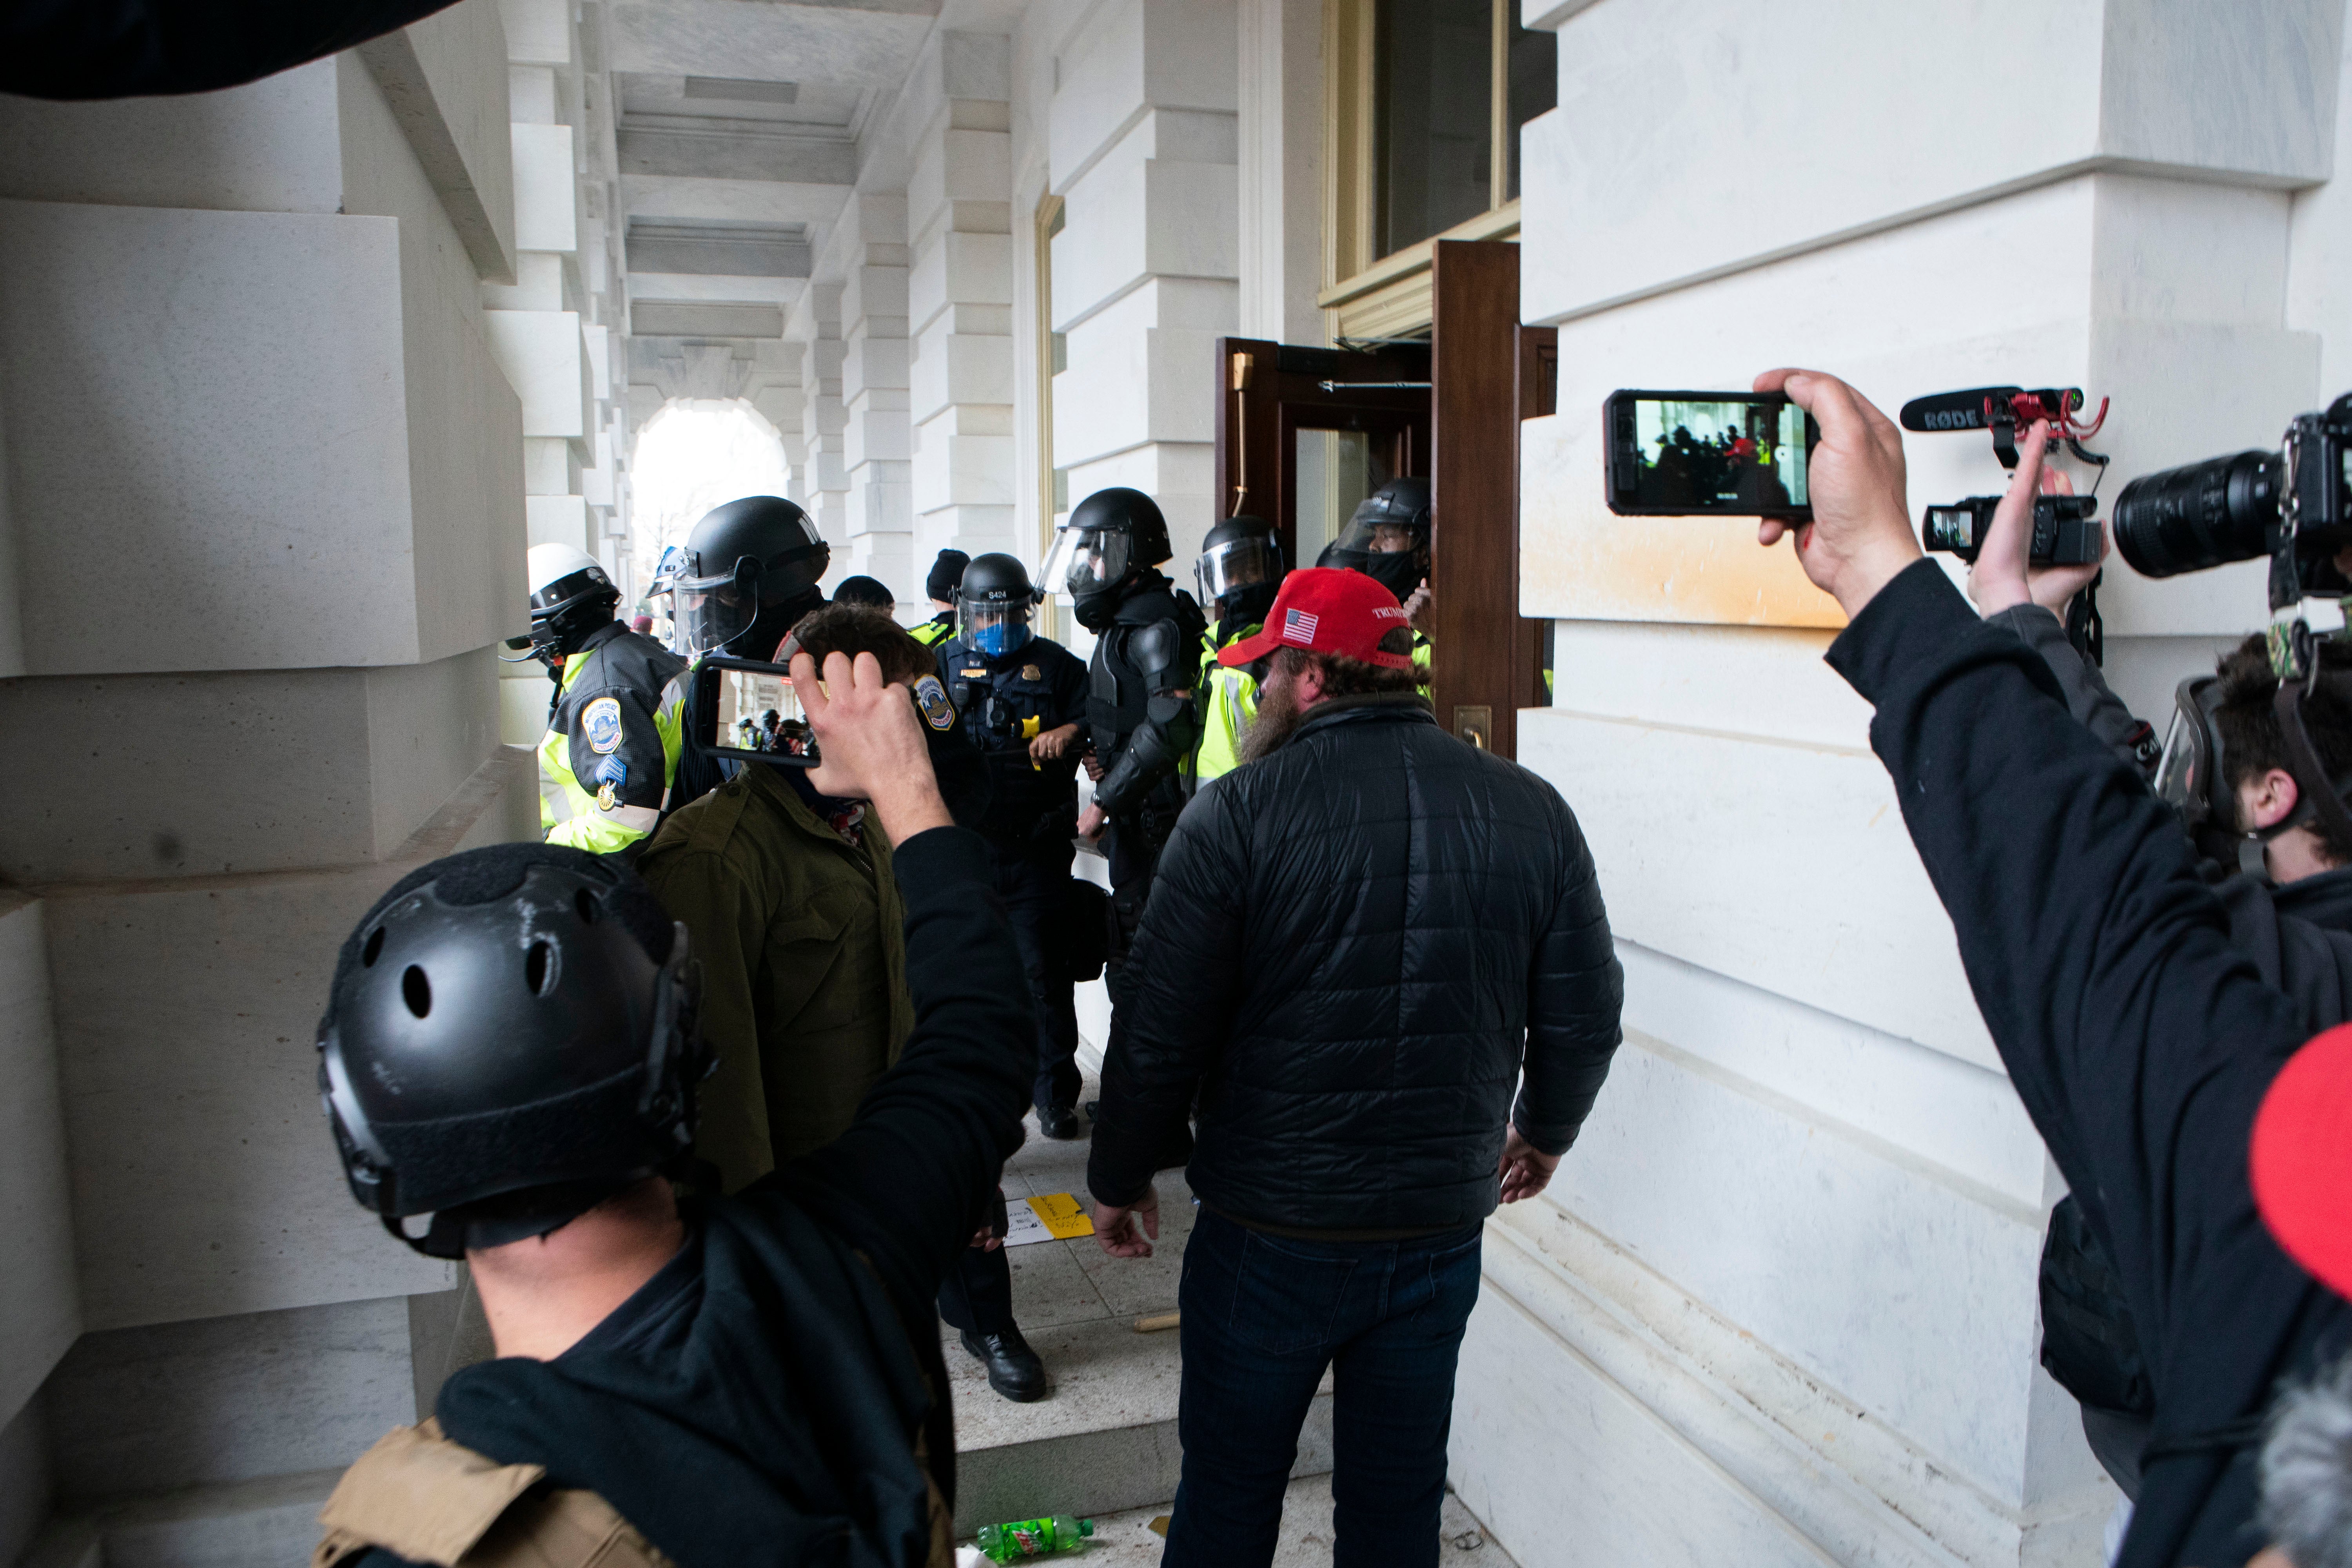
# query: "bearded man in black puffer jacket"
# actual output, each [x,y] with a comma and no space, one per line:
[1362,943]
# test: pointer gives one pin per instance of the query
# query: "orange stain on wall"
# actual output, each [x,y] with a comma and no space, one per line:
[1579,560]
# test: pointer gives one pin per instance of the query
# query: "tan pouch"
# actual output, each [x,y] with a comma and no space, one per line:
[431,1500]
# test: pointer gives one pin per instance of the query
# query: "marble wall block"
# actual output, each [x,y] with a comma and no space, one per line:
[40,1307]
[220,1191]
[229,1399]
[215,404]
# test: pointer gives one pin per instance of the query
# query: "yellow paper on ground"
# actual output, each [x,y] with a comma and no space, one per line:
[1063,1218]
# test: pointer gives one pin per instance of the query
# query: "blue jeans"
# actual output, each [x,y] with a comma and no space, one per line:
[1263,1316]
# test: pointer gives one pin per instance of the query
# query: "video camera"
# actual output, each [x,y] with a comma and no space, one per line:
[2293,505]
[2065,530]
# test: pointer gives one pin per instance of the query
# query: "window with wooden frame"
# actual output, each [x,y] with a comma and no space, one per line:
[1423,101]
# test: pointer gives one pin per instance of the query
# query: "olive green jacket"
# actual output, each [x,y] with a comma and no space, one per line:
[804,954]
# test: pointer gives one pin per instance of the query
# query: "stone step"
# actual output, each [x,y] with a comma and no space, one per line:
[267,1523]
[1104,1440]
[1128,1541]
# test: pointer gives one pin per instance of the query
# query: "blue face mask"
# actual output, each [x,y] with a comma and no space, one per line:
[1001,638]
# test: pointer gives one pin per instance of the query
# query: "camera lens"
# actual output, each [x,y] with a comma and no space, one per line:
[2200,515]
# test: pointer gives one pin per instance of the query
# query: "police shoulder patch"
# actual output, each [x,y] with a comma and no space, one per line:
[601,723]
[932,698]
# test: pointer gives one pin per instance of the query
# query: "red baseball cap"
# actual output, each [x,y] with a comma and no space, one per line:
[1325,609]
[2300,1164]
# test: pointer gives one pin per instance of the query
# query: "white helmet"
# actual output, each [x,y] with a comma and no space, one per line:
[549,564]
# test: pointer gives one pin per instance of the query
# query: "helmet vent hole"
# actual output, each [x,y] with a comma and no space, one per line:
[585,902]
[539,968]
[416,991]
[373,950]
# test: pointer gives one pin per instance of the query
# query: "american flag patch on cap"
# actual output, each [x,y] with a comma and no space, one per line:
[1298,625]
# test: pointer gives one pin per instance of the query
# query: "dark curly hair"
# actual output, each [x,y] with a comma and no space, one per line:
[2252,741]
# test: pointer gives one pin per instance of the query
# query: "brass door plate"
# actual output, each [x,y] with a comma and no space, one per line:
[1475,725]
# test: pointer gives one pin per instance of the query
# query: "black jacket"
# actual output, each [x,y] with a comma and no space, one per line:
[121,49]
[2138,1035]
[759,1400]
[1354,947]
[2299,935]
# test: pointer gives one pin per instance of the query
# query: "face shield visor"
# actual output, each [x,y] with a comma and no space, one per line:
[993,626]
[1236,564]
[1086,562]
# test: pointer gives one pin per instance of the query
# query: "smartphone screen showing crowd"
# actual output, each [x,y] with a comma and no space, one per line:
[1731,454]
[749,712]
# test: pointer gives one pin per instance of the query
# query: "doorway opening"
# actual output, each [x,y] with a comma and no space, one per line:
[693,455]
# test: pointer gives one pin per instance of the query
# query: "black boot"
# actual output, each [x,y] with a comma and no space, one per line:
[1013,1369]
[1058,1121]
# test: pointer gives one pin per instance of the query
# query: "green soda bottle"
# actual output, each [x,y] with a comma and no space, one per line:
[1033,1537]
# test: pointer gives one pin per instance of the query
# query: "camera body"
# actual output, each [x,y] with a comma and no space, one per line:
[2293,505]
[2066,529]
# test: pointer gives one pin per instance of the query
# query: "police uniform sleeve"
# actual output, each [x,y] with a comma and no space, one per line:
[617,755]
[726,926]
[1170,661]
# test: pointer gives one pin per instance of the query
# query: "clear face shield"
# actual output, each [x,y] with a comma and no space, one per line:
[1086,561]
[993,626]
[2190,766]
[1236,563]
[706,614]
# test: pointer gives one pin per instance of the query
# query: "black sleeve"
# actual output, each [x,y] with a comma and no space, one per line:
[1184,979]
[2087,694]
[1171,662]
[1576,992]
[920,1163]
[126,49]
[2139,1038]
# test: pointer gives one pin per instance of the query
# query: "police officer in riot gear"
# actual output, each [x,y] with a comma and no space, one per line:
[940,586]
[1022,698]
[1387,539]
[1140,704]
[510,1046]
[610,751]
[741,583]
[1239,572]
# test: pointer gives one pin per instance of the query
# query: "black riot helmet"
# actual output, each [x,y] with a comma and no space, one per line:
[746,576]
[508,1040]
[1387,539]
[1239,570]
[994,602]
[1108,541]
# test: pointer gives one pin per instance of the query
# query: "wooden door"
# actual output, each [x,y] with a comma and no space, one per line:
[1488,373]
[1271,394]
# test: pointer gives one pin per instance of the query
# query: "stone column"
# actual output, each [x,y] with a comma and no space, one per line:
[1778,1305]
[1145,269]
[877,443]
[960,302]
[815,328]
[1281,169]
[244,366]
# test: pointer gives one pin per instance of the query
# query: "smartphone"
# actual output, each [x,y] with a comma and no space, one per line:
[746,710]
[1731,454]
